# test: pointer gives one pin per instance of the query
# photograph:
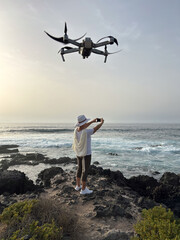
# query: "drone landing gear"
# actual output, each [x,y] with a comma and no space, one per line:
[67,50]
[62,57]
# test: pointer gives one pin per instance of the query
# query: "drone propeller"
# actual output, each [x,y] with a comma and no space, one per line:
[65,28]
[55,38]
[63,39]
[111,37]
[108,53]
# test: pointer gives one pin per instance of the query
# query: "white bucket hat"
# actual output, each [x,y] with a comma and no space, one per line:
[81,120]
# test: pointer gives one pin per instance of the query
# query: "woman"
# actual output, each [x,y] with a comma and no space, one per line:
[82,148]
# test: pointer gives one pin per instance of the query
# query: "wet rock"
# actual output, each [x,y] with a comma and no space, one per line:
[96,163]
[34,156]
[45,176]
[19,159]
[15,182]
[138,148]
[7,149]
[155,173]
[113,154]
[34,159]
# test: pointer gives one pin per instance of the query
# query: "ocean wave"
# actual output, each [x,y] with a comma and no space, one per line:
[40,130]
[158,148]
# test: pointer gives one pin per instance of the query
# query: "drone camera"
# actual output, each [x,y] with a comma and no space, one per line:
[88,43]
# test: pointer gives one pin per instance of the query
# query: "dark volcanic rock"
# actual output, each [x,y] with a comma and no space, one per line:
[113,154]
[5,149]
[34,156]
[113,176]
[143,184]
[96,163]
[166,191]
[15,182]
[62,160]
[170,179]
[34,159]
[45,176]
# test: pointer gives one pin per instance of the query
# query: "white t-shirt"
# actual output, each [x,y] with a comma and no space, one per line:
[89,133]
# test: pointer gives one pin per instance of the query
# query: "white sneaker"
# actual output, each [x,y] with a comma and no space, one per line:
[77,188]
[86,191]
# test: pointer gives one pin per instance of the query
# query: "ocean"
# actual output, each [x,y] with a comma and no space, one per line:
[133,149]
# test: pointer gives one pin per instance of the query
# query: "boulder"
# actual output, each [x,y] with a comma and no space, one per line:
[143,184]
[15,182]
[45,176]
[170,179]
[115,176]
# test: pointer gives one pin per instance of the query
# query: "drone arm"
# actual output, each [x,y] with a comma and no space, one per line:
[96,51]
[70,51]
[96,45]
[73,42]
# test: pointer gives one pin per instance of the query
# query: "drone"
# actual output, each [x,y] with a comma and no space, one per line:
[86,47]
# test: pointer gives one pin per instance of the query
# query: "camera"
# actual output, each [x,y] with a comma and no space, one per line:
[98,120]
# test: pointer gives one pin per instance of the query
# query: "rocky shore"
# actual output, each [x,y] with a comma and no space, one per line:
[107,214]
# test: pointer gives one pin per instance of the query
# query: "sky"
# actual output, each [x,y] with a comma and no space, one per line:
[138,85]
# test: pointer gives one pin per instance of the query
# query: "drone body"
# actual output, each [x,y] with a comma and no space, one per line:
[86,47]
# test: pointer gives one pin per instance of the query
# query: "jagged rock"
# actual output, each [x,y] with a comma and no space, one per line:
[45,176]
[170,179]
[15,182]
[115,176]
[143,184]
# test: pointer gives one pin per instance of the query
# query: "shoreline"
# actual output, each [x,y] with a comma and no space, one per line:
[113,208]
[33,162]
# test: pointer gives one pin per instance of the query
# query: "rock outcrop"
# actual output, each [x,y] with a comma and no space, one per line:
[15,182]
[6,149]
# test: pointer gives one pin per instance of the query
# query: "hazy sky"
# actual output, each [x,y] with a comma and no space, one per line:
[139,84]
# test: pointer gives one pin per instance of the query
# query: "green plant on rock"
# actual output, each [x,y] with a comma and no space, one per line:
[35,231]
[21,221]
[17,212]
[157,224]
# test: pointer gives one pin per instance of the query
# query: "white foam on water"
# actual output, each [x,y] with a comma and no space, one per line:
[129,148]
